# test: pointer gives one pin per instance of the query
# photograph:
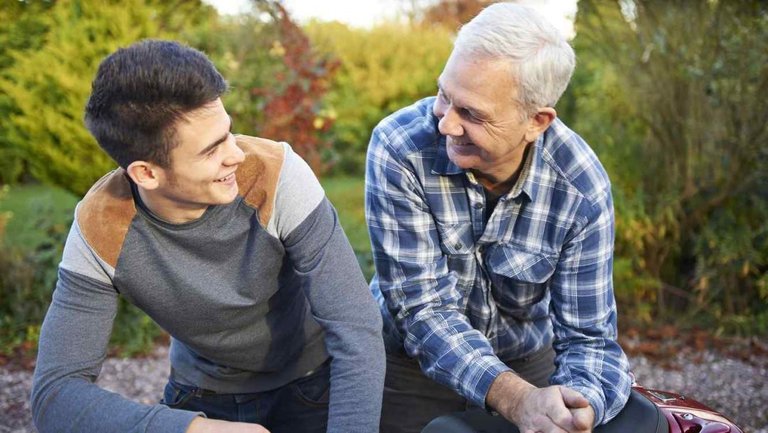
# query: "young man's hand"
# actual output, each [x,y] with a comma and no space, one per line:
[205,425]
[554,409]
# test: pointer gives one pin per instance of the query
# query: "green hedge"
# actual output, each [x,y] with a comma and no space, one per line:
[382,69]
[34,227]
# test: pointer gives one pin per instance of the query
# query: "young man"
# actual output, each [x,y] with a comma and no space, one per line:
[230,245]
[492,231]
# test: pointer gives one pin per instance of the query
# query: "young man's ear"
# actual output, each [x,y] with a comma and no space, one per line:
[144,174]
[539,122]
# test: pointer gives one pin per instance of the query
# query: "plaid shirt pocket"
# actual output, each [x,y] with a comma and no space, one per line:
[519,281]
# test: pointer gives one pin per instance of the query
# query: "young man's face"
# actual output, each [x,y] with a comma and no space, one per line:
[484,127]
[203,164]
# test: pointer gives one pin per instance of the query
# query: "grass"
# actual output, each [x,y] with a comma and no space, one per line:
[346,194]
[29,206]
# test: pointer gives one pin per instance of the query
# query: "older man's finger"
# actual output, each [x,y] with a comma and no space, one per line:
[573,398]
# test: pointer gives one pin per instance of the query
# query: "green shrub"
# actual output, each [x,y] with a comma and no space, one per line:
[28,272]
[27,277]
[676,113]
[45,88]
[382,69]
[23,30]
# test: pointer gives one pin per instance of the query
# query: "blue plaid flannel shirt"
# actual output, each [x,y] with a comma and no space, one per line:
[462,296]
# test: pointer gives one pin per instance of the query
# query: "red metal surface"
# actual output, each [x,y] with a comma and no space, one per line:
[686,415]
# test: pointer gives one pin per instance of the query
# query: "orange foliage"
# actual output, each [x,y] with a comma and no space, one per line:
[292,105]
[453,13]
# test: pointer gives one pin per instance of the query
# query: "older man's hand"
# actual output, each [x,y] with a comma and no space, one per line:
[582,412]
[554,409]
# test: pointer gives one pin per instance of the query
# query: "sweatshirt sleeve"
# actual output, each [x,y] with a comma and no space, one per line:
[338,295]
[73,346]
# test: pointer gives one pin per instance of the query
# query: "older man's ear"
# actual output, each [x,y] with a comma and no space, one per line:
[539,122]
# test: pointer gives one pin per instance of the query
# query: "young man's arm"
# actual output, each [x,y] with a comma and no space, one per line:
[338,296]
[73,345]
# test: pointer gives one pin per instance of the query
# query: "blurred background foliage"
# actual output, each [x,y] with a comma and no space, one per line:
[671,95]
[381,70]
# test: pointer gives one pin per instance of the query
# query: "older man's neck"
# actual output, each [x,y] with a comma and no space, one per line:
[498,187]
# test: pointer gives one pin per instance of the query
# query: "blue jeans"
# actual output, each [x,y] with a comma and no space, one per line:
[300,406]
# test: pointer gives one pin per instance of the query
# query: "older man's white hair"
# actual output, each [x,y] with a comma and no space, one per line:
[541,59]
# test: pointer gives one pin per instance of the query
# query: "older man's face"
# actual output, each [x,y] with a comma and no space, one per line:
[484,128]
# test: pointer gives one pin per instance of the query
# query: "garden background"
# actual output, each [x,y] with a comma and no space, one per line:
[670,95]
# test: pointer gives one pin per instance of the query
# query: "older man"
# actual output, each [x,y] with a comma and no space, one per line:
[492,229]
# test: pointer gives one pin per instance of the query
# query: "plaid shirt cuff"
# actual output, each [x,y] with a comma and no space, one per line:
[477,378]
[595,399]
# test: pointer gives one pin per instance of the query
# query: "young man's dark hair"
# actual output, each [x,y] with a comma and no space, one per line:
[141,92]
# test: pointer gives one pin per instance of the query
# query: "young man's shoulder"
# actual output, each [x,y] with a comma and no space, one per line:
[104,215]
[278,183]
[259,173]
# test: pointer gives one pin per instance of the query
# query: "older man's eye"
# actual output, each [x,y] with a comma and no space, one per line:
[441,96]
[468,114]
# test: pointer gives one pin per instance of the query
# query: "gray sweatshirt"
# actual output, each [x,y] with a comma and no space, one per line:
[254,294]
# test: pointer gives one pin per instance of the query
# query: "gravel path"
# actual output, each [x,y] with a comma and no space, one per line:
[737,388]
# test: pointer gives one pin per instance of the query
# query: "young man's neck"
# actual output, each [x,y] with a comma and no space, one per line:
[168,210]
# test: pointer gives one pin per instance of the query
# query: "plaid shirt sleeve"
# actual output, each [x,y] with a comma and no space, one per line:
[589,359]
[412,274]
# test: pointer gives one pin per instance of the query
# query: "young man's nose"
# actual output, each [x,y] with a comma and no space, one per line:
[235,155]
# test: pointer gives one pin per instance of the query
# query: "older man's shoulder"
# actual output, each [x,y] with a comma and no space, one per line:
[409,129]
[568,154]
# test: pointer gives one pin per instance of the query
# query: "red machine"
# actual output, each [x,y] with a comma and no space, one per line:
[646,411]
[682,414]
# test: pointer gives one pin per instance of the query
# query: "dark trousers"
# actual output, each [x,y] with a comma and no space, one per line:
[638,416]
[412,400]
[300,406]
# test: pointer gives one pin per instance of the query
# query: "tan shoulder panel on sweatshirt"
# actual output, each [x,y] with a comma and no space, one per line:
[105,214]
[257,176]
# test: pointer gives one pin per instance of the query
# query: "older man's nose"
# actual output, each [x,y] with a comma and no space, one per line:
[449,124]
